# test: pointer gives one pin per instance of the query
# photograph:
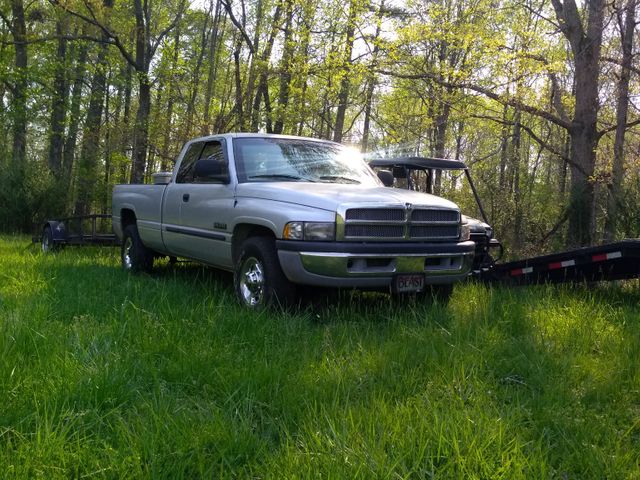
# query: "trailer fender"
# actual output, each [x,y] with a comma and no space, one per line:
[58,229]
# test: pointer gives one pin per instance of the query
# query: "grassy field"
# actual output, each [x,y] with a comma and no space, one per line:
[107,375]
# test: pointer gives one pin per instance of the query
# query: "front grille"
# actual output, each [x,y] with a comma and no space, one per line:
[434,231]
[434,216]
[376,214]
[375,231]
[400,223]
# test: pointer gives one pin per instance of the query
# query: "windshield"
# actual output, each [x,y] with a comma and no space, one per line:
[275,159]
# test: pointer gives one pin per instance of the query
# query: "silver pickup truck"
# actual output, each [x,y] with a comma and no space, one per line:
[283,211]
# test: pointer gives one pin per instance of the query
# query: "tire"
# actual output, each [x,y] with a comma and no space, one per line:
[134,255]
[258,279]
[47,244]
[439,293]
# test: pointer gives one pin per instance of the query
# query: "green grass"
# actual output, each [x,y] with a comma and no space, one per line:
[106,375]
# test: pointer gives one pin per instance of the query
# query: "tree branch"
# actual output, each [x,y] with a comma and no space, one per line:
[234,20]
[166,31]
[510,101]
[106,32]
[615,61]
[611,128]
[535,137]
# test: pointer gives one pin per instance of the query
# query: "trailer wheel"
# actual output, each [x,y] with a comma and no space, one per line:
[134,255]
[47,244]
[258,279]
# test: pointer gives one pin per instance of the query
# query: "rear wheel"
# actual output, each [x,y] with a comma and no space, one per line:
[47,244]
[134,255]
[258,279]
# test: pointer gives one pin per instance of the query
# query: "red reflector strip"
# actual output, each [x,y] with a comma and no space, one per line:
[606,256]
[521,271]
[565,264]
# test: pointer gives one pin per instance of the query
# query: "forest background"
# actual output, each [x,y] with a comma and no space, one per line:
[538,97]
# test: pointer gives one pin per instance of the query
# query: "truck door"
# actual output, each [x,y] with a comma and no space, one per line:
[198,209]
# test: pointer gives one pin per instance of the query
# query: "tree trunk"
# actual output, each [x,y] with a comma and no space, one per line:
[89,154]
[196,75]
[585,46]
[238,84]
[141,130]
[504,148]
[253,66]
[264,65]
[74,117]
[19,101]
[213,67]
[142,64]
[166,140]
[614,191]
[285,70]
[515,165]
[58,105]
[371,83]
[442,122]
[345,83]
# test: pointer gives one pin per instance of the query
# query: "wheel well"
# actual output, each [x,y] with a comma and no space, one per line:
[244,231]
[127,217]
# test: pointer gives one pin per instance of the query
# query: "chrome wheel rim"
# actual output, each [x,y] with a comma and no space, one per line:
[252,282]
[126,253]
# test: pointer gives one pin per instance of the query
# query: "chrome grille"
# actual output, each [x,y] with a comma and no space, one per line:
[375,231]
[434,216]
[434,231]
[399,223]
[376,214]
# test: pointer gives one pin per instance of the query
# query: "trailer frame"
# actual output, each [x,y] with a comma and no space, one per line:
[70,231]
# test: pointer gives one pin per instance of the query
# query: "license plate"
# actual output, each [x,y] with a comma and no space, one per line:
[408,282]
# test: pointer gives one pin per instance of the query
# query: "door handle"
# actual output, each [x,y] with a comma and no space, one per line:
[185,197]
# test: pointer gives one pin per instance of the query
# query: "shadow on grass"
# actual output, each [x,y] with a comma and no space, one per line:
[191,383]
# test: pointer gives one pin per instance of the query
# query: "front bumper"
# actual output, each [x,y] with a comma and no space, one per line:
[372,265]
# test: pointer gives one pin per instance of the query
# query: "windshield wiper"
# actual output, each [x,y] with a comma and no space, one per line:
[339,179]
[281,176]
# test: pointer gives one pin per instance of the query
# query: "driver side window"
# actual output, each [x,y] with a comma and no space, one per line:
[212,150]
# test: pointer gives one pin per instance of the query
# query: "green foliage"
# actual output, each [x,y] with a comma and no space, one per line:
[428,63]
[109,375]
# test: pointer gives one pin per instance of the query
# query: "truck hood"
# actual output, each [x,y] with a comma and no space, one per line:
[328,196]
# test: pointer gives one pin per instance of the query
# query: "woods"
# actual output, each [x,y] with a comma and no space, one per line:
[537,96]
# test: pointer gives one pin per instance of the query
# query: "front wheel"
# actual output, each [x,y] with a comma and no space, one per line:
[439,293]
[258,279]
[134,255]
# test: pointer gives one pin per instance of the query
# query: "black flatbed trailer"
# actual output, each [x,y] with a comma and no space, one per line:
[612,261]
[76,231]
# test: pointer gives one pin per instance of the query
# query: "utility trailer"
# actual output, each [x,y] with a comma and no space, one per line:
[76,231]
[612,261]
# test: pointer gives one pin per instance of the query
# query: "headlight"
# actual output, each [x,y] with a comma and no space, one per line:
[314,231]
[465,232]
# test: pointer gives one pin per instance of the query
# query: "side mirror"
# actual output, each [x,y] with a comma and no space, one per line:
[386,177]
[210,171]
